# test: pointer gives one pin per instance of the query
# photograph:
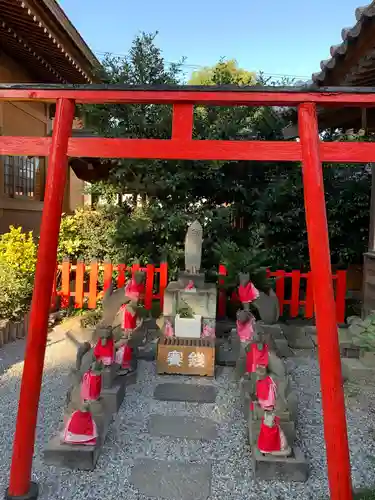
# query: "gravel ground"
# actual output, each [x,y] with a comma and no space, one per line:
[128,438]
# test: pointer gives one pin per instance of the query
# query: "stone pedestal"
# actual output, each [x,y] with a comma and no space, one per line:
[355,370]
[75,456]
[271,468]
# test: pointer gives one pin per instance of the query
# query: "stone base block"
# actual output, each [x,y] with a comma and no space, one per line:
[130,378]
[270,468]
[274,330]
[297,337]
[184,278]
[225,356]
[282,348]
[109,375]
[355,371]
[73,457]
[289,429]
[114,396]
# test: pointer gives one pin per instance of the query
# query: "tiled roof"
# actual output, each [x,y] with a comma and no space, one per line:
[360,72]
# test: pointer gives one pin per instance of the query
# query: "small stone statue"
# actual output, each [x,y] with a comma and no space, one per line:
[91,384]
[81,428]
[245,325]
[193,248]
[104,350]
[265,389]
[246,291]
[129,320]
[272,440]
[135,288]
[257,355]
[168,329]
[124,356]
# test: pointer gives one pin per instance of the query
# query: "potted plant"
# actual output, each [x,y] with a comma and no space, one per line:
[187,324]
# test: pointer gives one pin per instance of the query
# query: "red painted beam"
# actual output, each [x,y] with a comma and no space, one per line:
[339,152]
[333,402]
[182,123]
[23,448]
[216,98]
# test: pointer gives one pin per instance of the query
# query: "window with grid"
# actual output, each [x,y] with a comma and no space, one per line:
[20,176]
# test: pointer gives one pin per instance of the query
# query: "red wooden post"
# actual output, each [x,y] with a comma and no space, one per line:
[65,283]
[80,277]
[93,285]
[340,296]
[222,303]
[150,273]
[294,305]
[163,282]
[309,305]
[121,275]
[335,430]
[280,289]
[20,484]
[108,270]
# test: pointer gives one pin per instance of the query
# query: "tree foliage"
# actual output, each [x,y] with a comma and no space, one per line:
[237,202]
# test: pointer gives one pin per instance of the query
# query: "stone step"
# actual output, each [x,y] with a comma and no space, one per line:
[189,393]
[171,480]
[182,427]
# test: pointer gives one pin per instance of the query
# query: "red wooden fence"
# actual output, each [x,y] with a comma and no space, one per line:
[295,302]
[86,277]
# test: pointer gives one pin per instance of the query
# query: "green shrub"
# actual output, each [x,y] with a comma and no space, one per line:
[88,234]
[18,253]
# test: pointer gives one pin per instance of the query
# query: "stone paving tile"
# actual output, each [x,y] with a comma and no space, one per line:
[186,392]
[182,427]
[172,480]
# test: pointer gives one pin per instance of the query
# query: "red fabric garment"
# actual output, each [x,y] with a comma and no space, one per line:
[266,393]
[105,353]
[269,439]
[190,285]
[245,330]
[134,290]
[124,356]
[168,330]
[247,293]
[129,319]
[91,386]
[80,429]
[256,357]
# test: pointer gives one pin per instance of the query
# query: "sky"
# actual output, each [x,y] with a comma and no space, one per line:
[279,38]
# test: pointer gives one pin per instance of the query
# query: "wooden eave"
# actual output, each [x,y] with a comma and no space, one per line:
[30,33]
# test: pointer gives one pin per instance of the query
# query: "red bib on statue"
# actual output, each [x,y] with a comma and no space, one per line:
[134,290]
[266,393]
[105,352]
[124,356]
[91,386]
[269,437]
[247,293]
[256,357]
[80,429]
[129,319]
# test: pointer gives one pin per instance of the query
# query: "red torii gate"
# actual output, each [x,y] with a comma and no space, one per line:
[310,151]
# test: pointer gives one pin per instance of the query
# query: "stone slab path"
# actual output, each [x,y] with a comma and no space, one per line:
[174,480]
[189,393]
[182,427]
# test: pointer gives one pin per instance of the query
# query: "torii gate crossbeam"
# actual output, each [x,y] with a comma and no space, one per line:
[310,151]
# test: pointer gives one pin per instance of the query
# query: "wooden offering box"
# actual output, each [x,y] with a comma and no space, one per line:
[186,356]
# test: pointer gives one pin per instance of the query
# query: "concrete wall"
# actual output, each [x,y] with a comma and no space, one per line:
[28,119]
